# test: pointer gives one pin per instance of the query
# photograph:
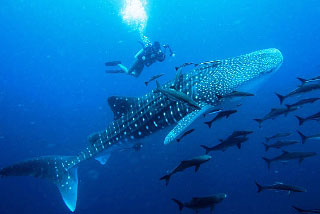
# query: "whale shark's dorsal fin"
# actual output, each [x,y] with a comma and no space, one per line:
[122,105]
[184,123]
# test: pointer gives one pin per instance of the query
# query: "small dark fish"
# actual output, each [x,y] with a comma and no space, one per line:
[315,117]
[282,187]
[185,134]
[279,144]
[184,65]
[235,94]
[274,113]
[220,115]
[240,104]
[201,202]
[278,135]
[153,78]
[311,137]
[235,139]
[225,144]
[285,156]
[300,90]
[196,162]
[304,81]
[214,111]
[303,102]
[239,133]
[136,147]
[306,211]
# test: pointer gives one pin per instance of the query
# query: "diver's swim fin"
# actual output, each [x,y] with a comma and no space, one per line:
[114,71]
[112,63]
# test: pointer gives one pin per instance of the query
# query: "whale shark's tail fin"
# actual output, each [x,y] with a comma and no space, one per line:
[61,170]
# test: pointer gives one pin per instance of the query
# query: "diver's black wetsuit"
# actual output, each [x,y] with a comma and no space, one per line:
[145,57]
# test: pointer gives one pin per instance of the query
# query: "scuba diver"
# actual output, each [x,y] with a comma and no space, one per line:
[149,54]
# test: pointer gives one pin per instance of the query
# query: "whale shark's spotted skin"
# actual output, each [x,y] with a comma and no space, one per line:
[136,118]
[154,111]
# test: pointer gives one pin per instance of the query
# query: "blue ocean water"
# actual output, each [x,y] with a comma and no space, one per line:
[53,94]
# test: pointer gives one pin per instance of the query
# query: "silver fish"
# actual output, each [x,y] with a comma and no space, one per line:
[194,162]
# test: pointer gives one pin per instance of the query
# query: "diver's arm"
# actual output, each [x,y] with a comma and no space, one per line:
[168,47]
[143,46]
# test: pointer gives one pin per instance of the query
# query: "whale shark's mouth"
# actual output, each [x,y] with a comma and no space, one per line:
[273,70]
[274,58]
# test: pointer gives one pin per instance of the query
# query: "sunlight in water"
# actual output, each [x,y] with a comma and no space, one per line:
[134,14]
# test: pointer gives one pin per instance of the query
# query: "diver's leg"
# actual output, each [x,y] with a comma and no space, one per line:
[123,69]
[136,68]
[138,71]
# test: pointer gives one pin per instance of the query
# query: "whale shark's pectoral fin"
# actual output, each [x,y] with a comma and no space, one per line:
[184,123]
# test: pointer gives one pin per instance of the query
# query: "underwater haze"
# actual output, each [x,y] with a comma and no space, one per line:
[54,94]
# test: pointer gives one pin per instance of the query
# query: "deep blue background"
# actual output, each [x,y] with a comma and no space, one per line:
[53,93]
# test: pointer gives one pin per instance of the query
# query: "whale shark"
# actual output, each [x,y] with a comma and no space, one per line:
[138,117]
